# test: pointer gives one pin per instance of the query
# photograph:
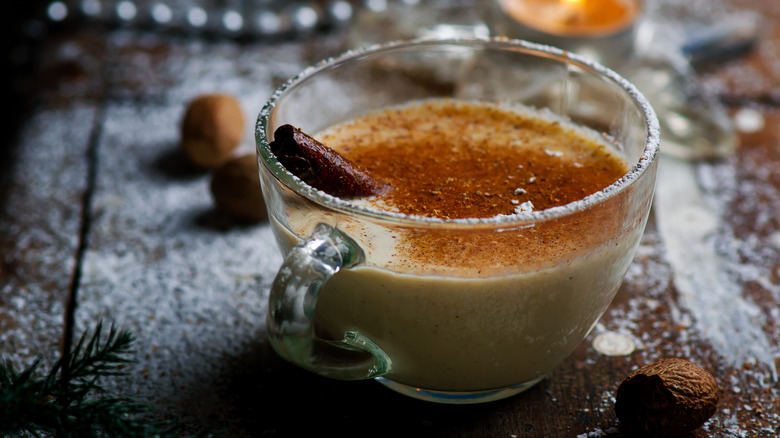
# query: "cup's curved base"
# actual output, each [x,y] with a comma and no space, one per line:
[458,397]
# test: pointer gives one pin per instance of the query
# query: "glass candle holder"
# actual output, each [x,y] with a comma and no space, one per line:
[602,30]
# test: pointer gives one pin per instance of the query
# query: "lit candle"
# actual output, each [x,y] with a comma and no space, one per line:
[573,17]
[601,29]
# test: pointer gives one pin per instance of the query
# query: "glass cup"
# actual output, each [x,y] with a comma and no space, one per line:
[450,310]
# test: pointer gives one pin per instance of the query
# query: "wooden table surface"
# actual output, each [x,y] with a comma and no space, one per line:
[101,218]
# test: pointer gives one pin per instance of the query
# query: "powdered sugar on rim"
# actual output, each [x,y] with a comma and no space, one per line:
[649,154]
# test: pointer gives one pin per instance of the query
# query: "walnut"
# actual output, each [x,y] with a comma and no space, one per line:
[669,397]
[235,187]
[213,126]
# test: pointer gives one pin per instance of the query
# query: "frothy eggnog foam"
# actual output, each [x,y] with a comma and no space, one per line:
[474,308]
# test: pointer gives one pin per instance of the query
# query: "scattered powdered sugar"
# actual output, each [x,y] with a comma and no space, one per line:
[708,315]
[725,231]
[38,231]
[774,239]
[749,120]
[190,283]
[525,207]
[595,433]
[690,224]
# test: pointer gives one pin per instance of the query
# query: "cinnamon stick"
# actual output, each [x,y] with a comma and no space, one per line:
[321,167]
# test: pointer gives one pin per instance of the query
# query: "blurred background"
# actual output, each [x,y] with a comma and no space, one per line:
[651,42]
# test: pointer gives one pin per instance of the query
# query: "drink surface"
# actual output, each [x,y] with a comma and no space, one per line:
[457,159]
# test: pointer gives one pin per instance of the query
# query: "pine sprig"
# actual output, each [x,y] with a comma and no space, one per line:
[99,359]
[69,400]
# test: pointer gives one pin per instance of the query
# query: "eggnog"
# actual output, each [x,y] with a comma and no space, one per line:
[458,308]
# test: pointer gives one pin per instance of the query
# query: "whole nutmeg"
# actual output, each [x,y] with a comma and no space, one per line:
[669,397]
[236,189]
[213,126]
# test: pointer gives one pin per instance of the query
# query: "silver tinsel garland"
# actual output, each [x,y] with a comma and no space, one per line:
[247,19]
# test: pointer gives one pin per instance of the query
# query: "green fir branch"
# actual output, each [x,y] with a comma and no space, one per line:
[69,400]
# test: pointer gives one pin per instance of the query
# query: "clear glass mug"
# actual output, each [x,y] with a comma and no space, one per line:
[496,303]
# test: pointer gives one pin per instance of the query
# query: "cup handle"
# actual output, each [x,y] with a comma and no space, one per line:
[291,306]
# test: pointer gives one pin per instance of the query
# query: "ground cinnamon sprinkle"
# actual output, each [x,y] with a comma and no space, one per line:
[456,159]
[465,160]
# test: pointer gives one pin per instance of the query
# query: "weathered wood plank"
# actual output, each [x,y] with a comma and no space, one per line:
[43,185]
[188,282]
[39,230]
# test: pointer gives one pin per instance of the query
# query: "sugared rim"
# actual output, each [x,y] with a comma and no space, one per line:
[649,154]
